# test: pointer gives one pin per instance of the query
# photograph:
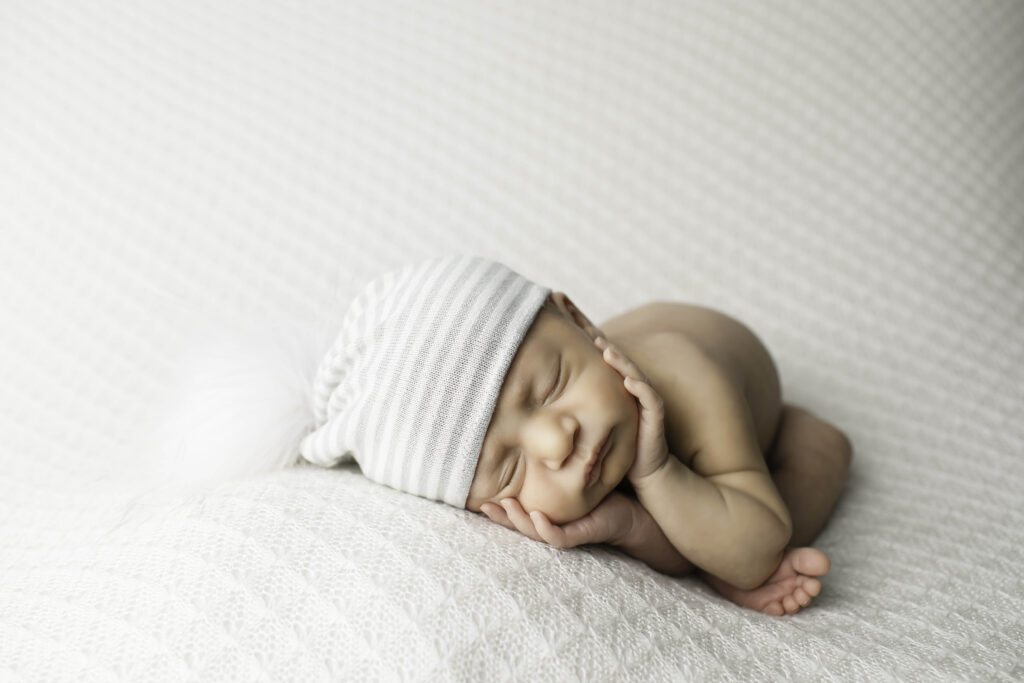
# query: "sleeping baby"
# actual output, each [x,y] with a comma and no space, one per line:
[661,433]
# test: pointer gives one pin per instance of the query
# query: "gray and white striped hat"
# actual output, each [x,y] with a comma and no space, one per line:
[408,387]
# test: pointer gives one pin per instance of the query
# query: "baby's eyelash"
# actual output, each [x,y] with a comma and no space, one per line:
[554,387]
[512,474]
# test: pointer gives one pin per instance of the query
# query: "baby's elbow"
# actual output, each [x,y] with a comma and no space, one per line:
[760,567]
[755,573]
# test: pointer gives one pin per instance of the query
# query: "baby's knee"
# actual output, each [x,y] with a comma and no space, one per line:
[839,445]
[831,443]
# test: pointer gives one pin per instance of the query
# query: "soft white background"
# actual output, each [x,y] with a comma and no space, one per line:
[845,178]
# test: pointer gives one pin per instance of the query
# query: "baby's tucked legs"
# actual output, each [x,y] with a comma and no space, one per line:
[809,462]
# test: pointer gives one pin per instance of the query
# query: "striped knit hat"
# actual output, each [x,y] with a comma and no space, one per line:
[409,385]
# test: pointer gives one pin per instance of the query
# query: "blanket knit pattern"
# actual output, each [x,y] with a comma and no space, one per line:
[847,179]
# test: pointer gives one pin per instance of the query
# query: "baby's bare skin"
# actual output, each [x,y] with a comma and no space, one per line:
[807,458]
[784,432]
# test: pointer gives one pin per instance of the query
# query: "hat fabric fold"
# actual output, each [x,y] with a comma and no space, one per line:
[409,385]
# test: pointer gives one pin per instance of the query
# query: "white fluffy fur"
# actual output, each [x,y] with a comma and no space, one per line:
[240,403]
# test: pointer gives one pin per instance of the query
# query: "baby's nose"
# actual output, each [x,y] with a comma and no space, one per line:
[564,441]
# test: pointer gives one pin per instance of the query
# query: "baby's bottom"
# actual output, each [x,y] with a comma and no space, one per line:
[808,461]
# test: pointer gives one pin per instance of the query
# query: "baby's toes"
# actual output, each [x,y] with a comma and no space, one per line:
[774,609]
[791,605]
[809,584]
[801,596]
[809,561]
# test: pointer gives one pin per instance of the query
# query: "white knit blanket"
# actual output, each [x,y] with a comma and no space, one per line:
[847,179]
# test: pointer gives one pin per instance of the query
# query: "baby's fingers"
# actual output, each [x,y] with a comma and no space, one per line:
[506,515]
[517,515]
[552,534]
[618,360]
[635,381]
[648,397]
[496,513]
[537,526]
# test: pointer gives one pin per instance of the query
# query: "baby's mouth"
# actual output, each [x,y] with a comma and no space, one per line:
[594,468]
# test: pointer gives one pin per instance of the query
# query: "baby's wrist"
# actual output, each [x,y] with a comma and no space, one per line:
[647,542]
[628,525]
[658,478]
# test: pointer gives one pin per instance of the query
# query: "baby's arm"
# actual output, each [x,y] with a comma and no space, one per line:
[721,511]
[721,527]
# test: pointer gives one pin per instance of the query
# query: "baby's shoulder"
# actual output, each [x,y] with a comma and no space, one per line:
[686,350]
[665,334]
[684,376]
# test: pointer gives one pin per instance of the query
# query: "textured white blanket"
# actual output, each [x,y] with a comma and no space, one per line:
[847,180]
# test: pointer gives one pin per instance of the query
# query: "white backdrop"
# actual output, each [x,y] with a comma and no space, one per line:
[848,180]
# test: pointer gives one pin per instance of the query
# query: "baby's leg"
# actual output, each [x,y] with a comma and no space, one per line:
[808,462]
[793,585]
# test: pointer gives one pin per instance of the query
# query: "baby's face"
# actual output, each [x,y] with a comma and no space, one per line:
[558,402]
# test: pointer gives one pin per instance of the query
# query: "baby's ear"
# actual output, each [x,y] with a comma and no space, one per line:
[576,315]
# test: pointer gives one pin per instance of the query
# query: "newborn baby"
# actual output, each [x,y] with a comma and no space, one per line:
[663,433]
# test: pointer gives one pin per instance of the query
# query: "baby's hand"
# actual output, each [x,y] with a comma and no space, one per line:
[609,522]
[651,446]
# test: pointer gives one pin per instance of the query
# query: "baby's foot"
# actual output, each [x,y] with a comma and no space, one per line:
[787,590]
